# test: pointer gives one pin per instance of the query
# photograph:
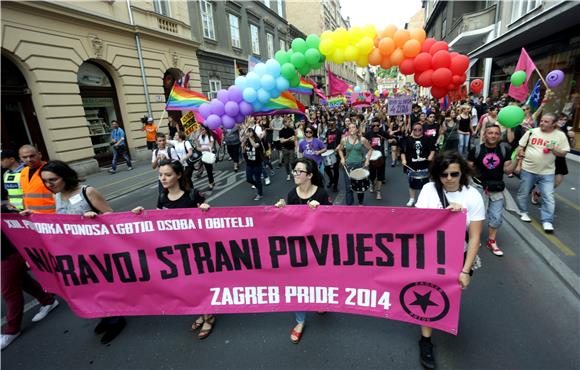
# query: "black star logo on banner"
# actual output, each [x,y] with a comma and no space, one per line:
[424,301]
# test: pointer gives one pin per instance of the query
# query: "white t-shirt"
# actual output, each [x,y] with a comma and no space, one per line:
[181,149]
[158,152]
[205,142]
[474,119]
[277,124]
[468,197]
[535,160]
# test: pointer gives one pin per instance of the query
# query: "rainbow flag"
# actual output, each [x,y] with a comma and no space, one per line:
[181,98]
[305,87]
[349,91]
[336,101]
[286,103]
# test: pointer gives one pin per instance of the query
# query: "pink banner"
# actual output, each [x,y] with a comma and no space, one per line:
[336,86]
[526,64]
[395,263]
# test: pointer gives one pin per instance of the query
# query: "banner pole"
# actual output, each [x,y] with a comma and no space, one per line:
[541,78]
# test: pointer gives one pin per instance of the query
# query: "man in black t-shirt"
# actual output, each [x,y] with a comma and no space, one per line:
[431,128]
[416,153]
[288,142]
[333,137]
[490,161]
[415,113]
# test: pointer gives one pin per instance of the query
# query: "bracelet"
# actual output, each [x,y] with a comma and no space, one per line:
[466,273]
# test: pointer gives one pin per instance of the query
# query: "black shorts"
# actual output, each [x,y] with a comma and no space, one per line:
[151,145]
[561,166]
[417,184]
[277,145]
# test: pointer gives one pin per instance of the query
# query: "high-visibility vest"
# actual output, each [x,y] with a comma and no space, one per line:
[12,186]
[37,197]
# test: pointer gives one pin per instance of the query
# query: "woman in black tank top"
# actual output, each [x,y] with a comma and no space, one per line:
[465,130]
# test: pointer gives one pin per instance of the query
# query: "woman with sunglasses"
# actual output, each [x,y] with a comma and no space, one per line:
[309,191]
[72,198]
[352,155]
[177,194]
[449,189]
[311,147]
[417,152]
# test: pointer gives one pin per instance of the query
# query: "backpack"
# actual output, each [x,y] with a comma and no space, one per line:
[168,152]
[502,146]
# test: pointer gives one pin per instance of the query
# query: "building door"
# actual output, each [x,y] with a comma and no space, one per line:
[18,119]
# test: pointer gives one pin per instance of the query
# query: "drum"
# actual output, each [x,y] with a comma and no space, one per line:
[359,180]
[419,174]
[377,160]
[329,158]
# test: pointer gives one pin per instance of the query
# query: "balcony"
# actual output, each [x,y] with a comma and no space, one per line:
[471,30]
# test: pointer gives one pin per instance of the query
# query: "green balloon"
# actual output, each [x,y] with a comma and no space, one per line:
[288,71]
[299,45]
[313,41]
[297,59]
[511,116]
[304,70]
[518,78]
[312,56]
[295,81]
[282,57]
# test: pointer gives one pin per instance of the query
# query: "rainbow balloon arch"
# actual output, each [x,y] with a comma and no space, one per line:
[427,59]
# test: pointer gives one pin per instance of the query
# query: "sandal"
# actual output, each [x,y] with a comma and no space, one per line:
[295,336]
[204,333]
[197,323]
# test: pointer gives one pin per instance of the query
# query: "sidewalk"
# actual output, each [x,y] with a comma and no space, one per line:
[124,181]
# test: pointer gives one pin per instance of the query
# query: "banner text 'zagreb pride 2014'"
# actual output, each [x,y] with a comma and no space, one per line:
[394,263]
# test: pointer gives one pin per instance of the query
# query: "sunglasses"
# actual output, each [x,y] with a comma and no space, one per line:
[298,172]
[417,129]
[308,131]
[452,174]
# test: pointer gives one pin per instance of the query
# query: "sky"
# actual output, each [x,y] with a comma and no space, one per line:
[380,12]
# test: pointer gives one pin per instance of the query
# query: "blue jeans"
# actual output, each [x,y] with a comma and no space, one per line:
[463,144]
[300,316]
[254,177]
[348,189]
[494,213]
[546,187]
[123,151]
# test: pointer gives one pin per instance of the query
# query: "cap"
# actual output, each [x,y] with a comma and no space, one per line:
[9,154]
[149,119]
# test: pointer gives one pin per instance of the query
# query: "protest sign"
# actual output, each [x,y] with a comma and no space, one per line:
[251,259]
[189,123]
[399,105]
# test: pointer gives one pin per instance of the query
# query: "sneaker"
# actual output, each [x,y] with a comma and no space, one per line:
[393,164]
[44,310]
[535,197]
[129,168]
[253,186]
[113,330]
[267,181]
[8,338]
[411,202]
[548,227]
[426,351]
[258,197]
[492,246]
[525,217]
[112,171]
[288,178]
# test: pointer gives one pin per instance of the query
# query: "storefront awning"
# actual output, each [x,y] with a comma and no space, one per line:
[466,41]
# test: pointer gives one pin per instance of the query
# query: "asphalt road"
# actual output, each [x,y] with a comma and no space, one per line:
[517,314]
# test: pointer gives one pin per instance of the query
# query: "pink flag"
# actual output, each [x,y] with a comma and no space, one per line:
[526,64]
[336,86]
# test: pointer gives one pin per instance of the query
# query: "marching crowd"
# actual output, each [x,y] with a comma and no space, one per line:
[454,157]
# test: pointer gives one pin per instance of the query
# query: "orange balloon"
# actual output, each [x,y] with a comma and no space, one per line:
[375,57]
[386,63]
[387,45]
[411,48]
[418,34]
[376,41]
[388,31]
[401,37]
[397,57]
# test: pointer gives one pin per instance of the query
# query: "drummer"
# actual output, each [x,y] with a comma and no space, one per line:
[311,147]
[352,155]
[333,136]
[377,139]
[416,153]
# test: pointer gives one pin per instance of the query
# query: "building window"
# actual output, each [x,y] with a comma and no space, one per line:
[214,87]
[282,45]
[523,7]
[270,41]
[267,3]
[162,7]
[207,19]
[235,31]
[443,28]
[280,8]
[255,39]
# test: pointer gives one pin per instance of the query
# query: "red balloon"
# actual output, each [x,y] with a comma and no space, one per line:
[453,54]
[439,45]
[416,77]
[476,86]
[441,77]
[426,45]
[407,66]
[451,86]
[459,64]
[425,78]
[438,92]
[441,59]
[422,62]
[458,79]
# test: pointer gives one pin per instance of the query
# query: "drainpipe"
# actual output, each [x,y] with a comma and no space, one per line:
[141,64]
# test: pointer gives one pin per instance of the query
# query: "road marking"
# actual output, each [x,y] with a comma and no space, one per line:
[554,240]
[567,202]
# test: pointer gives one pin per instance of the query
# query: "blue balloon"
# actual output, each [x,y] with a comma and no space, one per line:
[268,82]
[260,69]
[274,93]
[250,95]
[273,67]
[282,84]
[253,80]
[263,96]
[357,89]
[257,106]
[241,82]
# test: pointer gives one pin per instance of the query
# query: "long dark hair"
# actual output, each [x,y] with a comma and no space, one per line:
[69,176]
[177,167]
[312,168]
[442,162]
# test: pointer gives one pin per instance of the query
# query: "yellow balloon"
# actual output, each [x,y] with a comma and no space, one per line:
[325,35]
[338,56]
[326,47]
[341,37]
[418,34]
[355,34]
[370,31]
[362,61]
[350,53]
[365,45]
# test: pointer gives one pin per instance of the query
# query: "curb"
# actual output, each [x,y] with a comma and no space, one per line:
[569,277]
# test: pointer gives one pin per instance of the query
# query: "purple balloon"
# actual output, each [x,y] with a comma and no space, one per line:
[205,110]
[235,94]
[228,122]
[554,78]
[223,96]
[246,108]
[232,109]
[213,122]
[217,107]
[240,118]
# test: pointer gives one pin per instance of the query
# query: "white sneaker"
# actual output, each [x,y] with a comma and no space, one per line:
[258,197]
[411,202]
[525,217]
[267,181]
[548,227]
[8,338]
[44,310]
[288,178]
[253,186]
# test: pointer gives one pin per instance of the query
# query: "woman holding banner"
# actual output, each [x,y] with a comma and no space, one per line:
[177,194]
[309,191]
[449,189]
[74,199]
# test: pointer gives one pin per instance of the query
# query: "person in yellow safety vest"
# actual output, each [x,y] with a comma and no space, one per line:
[11,178]
[37,198]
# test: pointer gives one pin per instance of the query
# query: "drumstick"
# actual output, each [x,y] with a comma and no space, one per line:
[409,168]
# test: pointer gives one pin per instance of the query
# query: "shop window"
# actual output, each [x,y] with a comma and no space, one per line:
[214,87]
